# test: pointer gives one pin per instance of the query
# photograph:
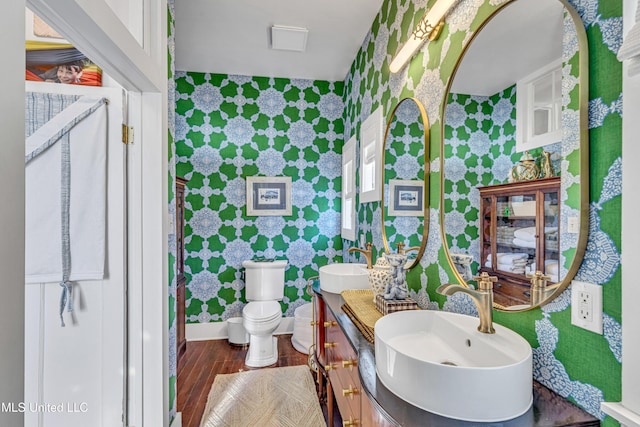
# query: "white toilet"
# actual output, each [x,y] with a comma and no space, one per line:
[264,287]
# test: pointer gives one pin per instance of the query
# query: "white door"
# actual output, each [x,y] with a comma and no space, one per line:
[74,375]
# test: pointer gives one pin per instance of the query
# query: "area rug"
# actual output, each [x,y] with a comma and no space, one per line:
[273,397]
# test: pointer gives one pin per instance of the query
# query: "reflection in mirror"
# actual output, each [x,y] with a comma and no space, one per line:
[507,211]
[406,181]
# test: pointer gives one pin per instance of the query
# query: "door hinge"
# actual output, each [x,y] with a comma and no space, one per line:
[127,134]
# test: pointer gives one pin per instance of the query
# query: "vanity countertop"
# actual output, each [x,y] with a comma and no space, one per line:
[549,408]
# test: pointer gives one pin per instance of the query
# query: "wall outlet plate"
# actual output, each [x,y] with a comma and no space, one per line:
[573,225]
[586,306]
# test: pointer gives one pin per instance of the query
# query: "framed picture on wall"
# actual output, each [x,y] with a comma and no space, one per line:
[406,197]
[268,196]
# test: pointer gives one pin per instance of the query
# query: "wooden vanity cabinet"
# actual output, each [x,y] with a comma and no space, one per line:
[519,234]
[341,367]
[181,281]
[370,415]
[350,376]
[319,330]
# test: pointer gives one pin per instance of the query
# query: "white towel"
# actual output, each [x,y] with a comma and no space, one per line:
[507,257]
[524,243]
[43,262]
[529,233]
[513,268]
[526,233]
[551,269]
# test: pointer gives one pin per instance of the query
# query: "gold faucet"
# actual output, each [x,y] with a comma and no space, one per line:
[366,253]
[403,250]
[538,287]
[483,298]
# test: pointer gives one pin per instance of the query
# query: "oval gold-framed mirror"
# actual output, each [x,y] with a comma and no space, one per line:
[514,153]
[405,172]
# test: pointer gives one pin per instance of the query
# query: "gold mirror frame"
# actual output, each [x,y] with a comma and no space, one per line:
[555,289]
[426,166]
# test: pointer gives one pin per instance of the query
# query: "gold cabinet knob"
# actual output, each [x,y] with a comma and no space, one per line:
[350,422]
[314,323]
[330,344]
[330,366]
[350,392]
[330,323]
[349,363]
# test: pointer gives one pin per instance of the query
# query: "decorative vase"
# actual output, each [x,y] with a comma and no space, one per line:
[526,169]
[462,262]
[397,287]
[378,280]
[546,167]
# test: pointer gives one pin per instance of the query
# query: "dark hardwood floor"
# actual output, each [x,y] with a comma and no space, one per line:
[205,359]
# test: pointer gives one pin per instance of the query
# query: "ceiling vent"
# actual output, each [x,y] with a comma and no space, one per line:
[289,38]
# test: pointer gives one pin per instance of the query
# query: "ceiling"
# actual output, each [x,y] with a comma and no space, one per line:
[522,38]
[234,36]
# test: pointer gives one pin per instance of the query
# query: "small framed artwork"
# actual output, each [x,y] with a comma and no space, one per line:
[406,197]
[268,196]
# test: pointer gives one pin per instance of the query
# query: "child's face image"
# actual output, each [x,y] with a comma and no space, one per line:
[69,74]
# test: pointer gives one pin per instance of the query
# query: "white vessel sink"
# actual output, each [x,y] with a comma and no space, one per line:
[440,362]
[338,277]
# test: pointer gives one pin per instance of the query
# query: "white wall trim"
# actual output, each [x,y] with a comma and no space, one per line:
[177,420]
[93,27]
[155,356]
[96,30]
[371,135]
[628,410]
[622,414]
[220,331]
[12,213]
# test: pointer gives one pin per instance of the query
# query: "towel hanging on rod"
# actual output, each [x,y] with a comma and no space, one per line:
[66,198]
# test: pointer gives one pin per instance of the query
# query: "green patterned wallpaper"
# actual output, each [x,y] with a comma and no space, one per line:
[579,365]
[229,128]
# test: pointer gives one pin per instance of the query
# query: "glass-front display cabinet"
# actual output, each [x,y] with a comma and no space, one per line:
[519,236]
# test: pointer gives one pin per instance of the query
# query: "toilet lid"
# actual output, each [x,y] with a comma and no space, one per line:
[262,310]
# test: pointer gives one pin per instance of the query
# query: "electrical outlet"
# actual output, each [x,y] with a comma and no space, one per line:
[586,306]
[573,225]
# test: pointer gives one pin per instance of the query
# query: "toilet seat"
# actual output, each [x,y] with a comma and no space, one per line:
[261,319]
[262,311]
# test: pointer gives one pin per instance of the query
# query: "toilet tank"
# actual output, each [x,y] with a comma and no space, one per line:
[264,280]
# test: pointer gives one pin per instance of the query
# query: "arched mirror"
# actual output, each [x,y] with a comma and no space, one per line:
[515,153]
[405,198]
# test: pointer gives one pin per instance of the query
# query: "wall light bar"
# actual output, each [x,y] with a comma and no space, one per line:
[429,28]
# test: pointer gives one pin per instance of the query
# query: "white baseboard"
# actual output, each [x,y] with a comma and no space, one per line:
[177,420]
[220,331]
[623,415]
